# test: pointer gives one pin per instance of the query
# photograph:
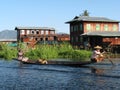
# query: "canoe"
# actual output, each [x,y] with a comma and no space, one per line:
[53,62]
[28,62]
[70,63]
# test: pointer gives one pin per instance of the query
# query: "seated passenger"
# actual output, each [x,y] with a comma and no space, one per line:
[42,61]
[25,59]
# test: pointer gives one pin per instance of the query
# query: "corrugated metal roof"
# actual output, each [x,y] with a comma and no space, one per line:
[8,35]
[102,33]
[34,28]
[8,40]
[93,19]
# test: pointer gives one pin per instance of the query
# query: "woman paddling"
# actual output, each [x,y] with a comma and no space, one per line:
[97,56]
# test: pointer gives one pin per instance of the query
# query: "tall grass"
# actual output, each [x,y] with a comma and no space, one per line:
[57,51]
[43,52]
[64,50]
[7,52]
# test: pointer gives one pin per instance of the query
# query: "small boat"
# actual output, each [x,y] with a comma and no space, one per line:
[53,62]
[29,61]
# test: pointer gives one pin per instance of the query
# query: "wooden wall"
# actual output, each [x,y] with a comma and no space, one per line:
[93,26]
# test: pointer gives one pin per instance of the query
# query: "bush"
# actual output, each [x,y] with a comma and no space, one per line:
[43,52]
[57,51]
[64,50]
[7,52]
[81,54]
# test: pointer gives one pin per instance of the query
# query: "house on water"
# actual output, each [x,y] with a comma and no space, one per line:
[94,31]
[42,35]
[33,35]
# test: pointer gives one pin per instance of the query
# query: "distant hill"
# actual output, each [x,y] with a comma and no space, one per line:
[8,35]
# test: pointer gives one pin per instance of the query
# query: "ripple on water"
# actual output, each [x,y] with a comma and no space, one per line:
[15,76]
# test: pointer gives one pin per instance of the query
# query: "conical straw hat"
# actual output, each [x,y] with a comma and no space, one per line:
[98,47]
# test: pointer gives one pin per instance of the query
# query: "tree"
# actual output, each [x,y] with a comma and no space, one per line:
[85,13]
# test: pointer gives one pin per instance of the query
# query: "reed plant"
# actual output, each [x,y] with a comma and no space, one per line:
[45,51]
[7,52]
[81,54]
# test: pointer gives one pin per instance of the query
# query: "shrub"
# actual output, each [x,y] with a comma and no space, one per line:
[64,50]
[7,52]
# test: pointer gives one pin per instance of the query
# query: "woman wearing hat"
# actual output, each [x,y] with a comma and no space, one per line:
[97,55]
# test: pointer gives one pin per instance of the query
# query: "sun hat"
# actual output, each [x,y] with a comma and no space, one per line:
[97,47]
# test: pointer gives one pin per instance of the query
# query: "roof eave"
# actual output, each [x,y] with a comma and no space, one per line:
[102,34]
[77,20]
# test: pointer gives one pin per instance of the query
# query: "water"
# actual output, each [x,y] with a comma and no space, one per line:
[16,76]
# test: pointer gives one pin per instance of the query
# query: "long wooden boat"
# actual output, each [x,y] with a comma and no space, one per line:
[53,62]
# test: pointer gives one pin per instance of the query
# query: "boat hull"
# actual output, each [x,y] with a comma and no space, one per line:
[53,62]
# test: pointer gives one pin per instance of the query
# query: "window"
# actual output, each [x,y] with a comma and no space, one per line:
[46,32]
[71,28]
[97,27]
[52,32]
[37,32]
[76,39]
[106,27]
[114,27]
[72,39]
[81,39]
[36,39]
[88,27]
[32,32]
[76,27]
[28,32]
[81,28]
[22,32]
[42,32]
[41,39]
[46,39]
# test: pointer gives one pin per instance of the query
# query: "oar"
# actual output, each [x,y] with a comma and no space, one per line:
[110,60]
[108,57]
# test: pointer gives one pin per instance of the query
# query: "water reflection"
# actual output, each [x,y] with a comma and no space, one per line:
[97,70]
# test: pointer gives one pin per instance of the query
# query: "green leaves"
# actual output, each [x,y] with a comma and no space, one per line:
[48,52]
[7,52]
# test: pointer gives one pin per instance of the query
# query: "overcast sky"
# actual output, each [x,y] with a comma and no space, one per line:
[53,13]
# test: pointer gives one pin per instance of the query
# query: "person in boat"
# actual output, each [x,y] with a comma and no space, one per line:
[42,61]
[20,54]
[97,56]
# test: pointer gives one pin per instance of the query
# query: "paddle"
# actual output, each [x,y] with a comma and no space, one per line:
[110,60]
[108,57]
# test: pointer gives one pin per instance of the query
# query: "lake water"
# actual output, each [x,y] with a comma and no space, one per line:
[16,76]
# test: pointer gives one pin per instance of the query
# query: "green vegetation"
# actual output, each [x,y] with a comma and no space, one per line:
[48,52]
[7,52]
[42,51]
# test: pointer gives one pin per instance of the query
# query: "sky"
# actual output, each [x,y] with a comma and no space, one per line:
[53,13]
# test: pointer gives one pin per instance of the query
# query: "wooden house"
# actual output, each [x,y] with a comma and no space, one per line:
[63,37]
[33,35]
[94,31]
